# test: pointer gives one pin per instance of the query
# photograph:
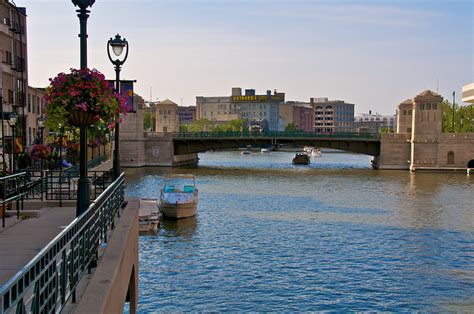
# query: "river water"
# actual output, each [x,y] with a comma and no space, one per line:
[335,235]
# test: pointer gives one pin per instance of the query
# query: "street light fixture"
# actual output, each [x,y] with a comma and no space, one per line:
[83,183]
[117,45]
[40,122]
[12,123]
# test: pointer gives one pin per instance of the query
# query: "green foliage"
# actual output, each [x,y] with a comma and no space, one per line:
[200,125]
[385,130]
[290,127]
[147,121]
[203,125]
[467,114]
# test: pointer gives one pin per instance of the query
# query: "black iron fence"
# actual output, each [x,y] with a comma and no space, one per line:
[12,190]
[50,279]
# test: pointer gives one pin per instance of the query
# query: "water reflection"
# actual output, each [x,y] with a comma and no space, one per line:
[184,227]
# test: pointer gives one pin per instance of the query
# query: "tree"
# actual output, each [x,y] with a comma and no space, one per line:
[200,125]
[147,121]
[290,127]
[461,113]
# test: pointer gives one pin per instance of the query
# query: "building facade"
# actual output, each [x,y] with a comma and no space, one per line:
[187,114]
[167,118]
[14,75]
[34,111]
[374,123]
[332,115]
[216,108]
[253,108]
[419,144]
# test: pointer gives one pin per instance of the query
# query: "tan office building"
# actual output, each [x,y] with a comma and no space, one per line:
[167,117]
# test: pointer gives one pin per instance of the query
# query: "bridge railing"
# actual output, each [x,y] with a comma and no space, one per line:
[50,279]
[276,134]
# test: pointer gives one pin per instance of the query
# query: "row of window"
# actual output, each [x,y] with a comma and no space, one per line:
[165,112]
[407,112]
[428,106]
[34,103]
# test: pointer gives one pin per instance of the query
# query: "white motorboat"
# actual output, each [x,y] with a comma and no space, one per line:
[179,196]
[148,215]
[265,150]
[316,152]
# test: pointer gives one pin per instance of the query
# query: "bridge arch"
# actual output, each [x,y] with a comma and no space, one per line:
[470,164]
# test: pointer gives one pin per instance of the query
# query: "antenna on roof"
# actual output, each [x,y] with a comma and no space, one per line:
[437,84]
[151,93]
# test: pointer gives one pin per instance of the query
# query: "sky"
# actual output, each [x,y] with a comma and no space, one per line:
[374,54]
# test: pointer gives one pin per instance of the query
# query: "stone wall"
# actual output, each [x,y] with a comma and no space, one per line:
[395,151]
[399,152]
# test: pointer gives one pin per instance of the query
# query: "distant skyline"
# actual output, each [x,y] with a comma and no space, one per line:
[372,53]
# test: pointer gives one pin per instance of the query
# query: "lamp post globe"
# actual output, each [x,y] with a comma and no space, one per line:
[40,122]
[117,45]
[83,3]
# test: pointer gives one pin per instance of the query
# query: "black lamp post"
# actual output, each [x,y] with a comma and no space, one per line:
[83,184]
[12,123]
[454,109]
[117,45]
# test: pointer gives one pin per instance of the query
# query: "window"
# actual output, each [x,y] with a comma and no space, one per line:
[33,103]
[428,106]
[11,98]
[434,106]
[161,112]
[450,160]
[422,106]
[404,112]
[29,103]
[409,112]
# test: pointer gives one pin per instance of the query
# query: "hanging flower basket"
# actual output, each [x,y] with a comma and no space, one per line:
[81,98]
[81,118]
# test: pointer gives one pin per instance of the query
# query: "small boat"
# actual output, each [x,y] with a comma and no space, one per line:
[179,196]
[301,159]
[315,152]
[247,150]
[148,215]
[308,149]
[265,150]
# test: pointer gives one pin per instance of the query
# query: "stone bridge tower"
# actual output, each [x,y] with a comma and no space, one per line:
[420,144]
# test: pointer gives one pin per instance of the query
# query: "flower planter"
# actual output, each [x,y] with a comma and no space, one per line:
[80,118]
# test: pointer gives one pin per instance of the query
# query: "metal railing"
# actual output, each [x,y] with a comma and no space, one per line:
[63,185]
[50,279]
[293,134]
[12,190]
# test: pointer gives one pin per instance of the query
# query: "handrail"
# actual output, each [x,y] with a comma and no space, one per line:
[50,279]
[16,184]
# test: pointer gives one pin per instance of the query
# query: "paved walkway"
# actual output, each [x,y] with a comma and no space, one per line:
[21,240]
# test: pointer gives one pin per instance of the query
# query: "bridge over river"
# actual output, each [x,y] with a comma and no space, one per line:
[196,142]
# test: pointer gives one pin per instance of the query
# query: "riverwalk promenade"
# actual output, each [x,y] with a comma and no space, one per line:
[53,261]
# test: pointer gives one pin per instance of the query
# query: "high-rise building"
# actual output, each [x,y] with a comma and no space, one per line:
[332,115]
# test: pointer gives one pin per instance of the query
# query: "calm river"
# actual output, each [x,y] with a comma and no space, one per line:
[335,235]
